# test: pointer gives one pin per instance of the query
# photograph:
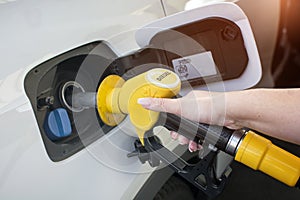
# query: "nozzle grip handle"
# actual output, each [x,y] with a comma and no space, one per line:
[199,132]
[259,153]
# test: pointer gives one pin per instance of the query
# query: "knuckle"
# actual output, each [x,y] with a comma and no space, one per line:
[160,102]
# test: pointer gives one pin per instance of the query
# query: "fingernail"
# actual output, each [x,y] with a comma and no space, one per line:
[145,102]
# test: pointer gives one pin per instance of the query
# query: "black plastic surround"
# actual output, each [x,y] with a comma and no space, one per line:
[86,65]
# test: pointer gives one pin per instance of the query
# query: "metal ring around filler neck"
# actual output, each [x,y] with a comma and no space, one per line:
[63,90]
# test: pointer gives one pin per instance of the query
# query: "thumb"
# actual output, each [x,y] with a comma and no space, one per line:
[161,104]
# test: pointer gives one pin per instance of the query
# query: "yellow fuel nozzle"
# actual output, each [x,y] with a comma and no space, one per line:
[116,97]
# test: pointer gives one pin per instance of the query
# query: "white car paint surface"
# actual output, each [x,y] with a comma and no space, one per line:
[35,31]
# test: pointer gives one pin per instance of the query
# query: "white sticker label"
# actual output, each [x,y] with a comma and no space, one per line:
[195,66]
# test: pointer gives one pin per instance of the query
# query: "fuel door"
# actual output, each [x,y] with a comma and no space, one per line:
[211,47]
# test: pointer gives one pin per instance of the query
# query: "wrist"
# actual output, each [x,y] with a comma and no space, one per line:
[234,110]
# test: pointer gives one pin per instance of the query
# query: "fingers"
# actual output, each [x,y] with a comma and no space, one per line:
[161,104]
[183,140]
[171,106]
[174,135]
[193,146]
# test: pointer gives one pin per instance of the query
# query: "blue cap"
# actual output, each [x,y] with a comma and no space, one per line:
[57,124]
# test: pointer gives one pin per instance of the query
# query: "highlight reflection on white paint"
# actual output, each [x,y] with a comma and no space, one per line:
[197,3]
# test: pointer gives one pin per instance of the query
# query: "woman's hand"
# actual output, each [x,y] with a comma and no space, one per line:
[200,106]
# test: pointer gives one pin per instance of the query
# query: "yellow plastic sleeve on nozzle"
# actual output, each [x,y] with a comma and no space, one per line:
[259,153]
[159,83]
[115,97]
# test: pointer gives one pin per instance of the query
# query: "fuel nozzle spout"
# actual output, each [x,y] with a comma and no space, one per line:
[84,99]
[75,98]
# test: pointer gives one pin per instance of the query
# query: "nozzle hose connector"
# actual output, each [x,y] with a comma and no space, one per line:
[259,153]
[234,141]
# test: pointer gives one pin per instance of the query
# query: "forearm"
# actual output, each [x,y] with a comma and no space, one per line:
[275,112]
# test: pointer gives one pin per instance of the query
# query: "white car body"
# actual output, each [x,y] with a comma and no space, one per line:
[35,31]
